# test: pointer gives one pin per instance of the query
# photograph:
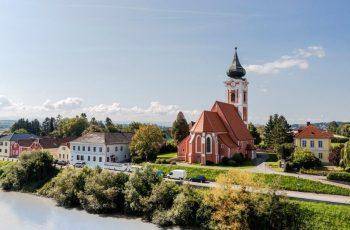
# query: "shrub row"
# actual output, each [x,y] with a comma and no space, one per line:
[339,176]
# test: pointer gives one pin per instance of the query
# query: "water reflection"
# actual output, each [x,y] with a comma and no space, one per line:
[27,212]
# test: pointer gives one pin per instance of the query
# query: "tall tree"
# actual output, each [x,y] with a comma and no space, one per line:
[277,131]
[110,126]
[254,132]
[333,127]
[35,127]
[146,143]
[180,128]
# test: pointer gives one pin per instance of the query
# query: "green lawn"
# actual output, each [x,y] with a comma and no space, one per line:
[274,181]
[298,184]
[167,156]
[326,216]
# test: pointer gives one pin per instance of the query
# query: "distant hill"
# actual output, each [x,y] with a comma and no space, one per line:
[6,124]
[320,125]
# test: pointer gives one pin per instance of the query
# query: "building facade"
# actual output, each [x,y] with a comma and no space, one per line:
[99,149]
[7,141]
[315,140]
[222,131]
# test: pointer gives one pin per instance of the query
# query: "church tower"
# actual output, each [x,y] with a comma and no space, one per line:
[237,87]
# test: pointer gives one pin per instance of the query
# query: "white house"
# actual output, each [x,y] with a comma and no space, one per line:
[99,149]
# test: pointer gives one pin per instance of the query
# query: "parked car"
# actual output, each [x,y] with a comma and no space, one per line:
[79,164]
[200,179]
[177,174]
[61,162]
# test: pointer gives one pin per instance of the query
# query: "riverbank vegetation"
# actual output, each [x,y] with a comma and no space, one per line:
[145,194]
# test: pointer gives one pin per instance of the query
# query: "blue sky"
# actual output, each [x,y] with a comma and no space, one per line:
[145,60]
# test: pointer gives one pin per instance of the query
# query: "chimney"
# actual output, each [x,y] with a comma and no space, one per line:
[308,123]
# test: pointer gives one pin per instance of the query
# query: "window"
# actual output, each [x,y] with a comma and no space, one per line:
[78,148]
[78,157]
[0,150]
[100,159]
[59,155]
[67,156]
[73,147]
[116,148]
[320,144]
[107,149]
[198,144]
[89,149]
[107,159]
[312,144]
[244,97]
[88,158]
[82,157]
[233,97]
[124,156]
[83,148]
[5,143]
[5,150]
[303,143]
[208,145]
[94,149]
[121,148]
[100,149]
[63,148]
[94,158]
[1,143]
[320,155]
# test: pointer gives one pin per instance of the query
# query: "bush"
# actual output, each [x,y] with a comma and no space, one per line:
[161,199]
[302,158]
[32,171]
[284,151]
[163,161]
[209,163]
[168,147]
[103,192]
[345,155]
[238,158]
[339,176]
[340,140]
[335,155]
[138,188]
[66,186]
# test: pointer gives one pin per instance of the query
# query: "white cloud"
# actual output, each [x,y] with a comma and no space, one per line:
[68,103]
[71,106]
[298,60]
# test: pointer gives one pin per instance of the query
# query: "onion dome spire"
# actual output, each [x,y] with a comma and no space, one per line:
[236,70]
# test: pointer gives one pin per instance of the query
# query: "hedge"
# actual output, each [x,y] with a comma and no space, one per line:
[339,176]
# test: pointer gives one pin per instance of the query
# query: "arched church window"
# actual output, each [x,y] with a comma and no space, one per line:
[198,144]
[208,145]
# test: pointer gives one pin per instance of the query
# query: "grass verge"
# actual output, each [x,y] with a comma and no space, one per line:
[325,216]
[167,156]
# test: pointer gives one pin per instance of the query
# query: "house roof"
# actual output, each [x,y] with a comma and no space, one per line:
[311,131]
[234,123]
[18,136]
[45,142]
[105,138]
[209,122]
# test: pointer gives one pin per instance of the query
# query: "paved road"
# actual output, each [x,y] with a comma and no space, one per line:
[264,168]
[291,194]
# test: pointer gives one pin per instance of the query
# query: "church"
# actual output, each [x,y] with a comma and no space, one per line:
[222,131]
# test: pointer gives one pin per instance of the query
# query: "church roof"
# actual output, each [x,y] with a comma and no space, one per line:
[224,120]
[235,70]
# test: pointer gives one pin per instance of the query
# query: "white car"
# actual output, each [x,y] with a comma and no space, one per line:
[177,174]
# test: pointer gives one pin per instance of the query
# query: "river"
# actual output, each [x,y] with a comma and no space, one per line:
[28,212]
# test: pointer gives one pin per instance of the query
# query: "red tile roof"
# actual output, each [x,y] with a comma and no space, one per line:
[234,123]
[312,131]
[209,122]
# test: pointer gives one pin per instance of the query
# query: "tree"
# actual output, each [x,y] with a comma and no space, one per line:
[345,155]
[20,131]
[180,128]
[21,124]
[345,130]
[284,151]
[110,126]
[303,158]
[277,131]
[254,132]
[333,127]
[146,143]
[72,127]
[335,155]
[35,127]
[48,125]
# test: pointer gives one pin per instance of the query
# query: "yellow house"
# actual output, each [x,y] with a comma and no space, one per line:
[315,140]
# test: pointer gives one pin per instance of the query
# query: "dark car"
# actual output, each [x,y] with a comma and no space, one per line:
[200,179]
[79,164]
[63,163]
